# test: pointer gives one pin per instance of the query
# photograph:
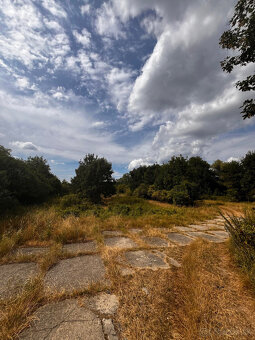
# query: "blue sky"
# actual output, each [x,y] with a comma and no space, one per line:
[135,81]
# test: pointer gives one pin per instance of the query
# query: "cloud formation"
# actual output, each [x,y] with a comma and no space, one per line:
[135,81]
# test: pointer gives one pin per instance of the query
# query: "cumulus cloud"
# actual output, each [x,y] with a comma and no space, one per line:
[85,9]
[25,145]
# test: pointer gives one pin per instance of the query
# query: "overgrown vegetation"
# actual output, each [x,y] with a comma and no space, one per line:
[182,181]
[242,230]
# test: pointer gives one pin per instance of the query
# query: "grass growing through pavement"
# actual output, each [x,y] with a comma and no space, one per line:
[47,225]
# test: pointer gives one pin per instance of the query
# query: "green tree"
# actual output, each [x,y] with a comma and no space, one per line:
[248,178]
[231,176]
[241,37]
[94,178]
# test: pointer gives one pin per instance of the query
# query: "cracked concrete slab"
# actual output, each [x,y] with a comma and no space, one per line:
[14,276]
[145,259]
[199,227]
[155,241]
[75,274]
[220,233]
[65,320]
[180,239]
[184,228]
[205,236]
[103,303]
[135,230]
[120,242]
[80,247]
[31,251]
[109,329]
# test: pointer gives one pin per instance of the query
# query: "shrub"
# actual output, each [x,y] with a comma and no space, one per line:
[242,231]
[73,204]
[141,191]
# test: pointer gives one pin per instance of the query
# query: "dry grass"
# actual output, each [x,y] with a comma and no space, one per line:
[16,313]
[209,300]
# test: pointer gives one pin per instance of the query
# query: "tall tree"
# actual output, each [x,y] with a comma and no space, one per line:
[241,37]
[94,178]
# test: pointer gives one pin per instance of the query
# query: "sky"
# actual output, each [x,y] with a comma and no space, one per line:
[134,81]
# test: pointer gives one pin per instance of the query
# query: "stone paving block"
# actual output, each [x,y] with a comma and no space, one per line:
[155,241]
[146,259]
[109,329]
[31,251]
[65,320]
[103,303]
[174,262]
[199,227]
[180,239]
[14,276]
[184,228]
[205,236]
[112,233]
[80,247]
[220,233]
[75,273]
[135,230]
[126,271]
[120,242]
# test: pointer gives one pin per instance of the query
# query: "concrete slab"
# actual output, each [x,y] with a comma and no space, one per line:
[180,239]
[103,303]
[220,233]
[75,274]
[112,233]
[184,228]
[120,242]
[135,230]
[65,320]
[14,276]
[201,227]
[109,329]
[155,241]
[174,262]
[126,271]
[145,259]
[205,236]
[28,251]
[80,247]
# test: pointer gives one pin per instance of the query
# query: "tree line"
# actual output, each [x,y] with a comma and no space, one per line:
[180,180]
[184,180]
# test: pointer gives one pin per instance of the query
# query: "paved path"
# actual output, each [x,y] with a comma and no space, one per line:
[94,318]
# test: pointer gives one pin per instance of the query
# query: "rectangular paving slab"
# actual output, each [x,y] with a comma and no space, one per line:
[31,251]
[65,320]
[14,276]
[155,241]
[180,239]
[112,233]
[75,274]
[120,242]
[80,247]
[205,236]
[145,259]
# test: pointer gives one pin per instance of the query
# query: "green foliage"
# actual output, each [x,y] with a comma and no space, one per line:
[242,231]
[180,195]
[141,191]
[94,178]
[24,182]
[241,37]
[73,204]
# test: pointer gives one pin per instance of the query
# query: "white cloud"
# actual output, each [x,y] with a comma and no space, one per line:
[138,162]
[231,159]
[107,22]
[83,38]
[25,145]
[85,9]
[54,8]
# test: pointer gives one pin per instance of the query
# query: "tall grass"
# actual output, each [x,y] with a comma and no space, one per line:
[242,231]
